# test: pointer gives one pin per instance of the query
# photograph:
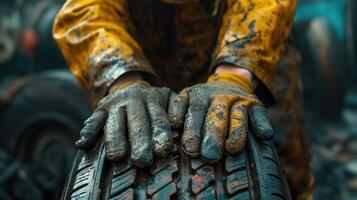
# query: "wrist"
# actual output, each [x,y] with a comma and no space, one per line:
[125,80]
[241,72]
[232,78]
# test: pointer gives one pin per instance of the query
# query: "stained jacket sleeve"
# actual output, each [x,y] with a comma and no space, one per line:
[252,36]
[95,40]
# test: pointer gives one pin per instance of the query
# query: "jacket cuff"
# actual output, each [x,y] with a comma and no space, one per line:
[115,67]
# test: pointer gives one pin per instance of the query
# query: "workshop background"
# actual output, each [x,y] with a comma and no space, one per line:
[42,107]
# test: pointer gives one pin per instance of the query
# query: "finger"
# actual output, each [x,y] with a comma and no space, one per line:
[139,134]
[91,130]
[166,94]
[115,141]
[215,129]
[238,129]
[177,108]
[192,134]
[260,123]
[161,131]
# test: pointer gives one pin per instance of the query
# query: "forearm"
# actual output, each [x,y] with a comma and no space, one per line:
[253,35]
[95,40]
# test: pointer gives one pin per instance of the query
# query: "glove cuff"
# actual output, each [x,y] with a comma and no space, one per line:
[232,78]
[126,84]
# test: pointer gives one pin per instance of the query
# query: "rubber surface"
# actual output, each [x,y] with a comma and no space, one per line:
[255,174]
[41,118]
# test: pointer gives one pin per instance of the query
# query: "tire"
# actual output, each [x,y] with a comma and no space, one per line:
[45,100]
[39,125]
[255,174]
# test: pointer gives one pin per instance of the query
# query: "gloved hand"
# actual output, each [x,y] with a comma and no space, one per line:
[211,110]
[137,111]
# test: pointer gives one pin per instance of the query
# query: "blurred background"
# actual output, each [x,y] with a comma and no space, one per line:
[42,107]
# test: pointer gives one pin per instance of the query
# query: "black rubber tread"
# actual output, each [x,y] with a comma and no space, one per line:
[86,175]
[254,174]
[52,96]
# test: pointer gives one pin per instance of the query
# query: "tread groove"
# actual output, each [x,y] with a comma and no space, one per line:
[254,174]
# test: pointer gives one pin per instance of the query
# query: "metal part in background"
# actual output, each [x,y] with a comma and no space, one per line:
[7,48]
[321,35]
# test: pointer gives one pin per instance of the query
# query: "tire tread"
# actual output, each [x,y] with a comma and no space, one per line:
[254,174]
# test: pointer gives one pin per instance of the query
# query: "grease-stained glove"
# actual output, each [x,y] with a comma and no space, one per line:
[210,110]
[137,111]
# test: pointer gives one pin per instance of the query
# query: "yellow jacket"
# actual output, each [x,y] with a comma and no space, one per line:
[175,44]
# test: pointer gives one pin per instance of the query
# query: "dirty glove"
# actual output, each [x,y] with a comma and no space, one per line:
[137,111]
[210,110]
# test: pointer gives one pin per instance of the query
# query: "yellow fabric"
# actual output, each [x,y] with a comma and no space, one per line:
[232,78]
[253,34]
[91,35]
[179,1]
[98,39]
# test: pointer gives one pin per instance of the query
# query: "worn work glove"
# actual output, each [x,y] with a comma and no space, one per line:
[137,111]
[210,110]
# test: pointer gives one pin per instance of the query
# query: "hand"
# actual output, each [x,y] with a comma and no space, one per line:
[210,110]
[138,110]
